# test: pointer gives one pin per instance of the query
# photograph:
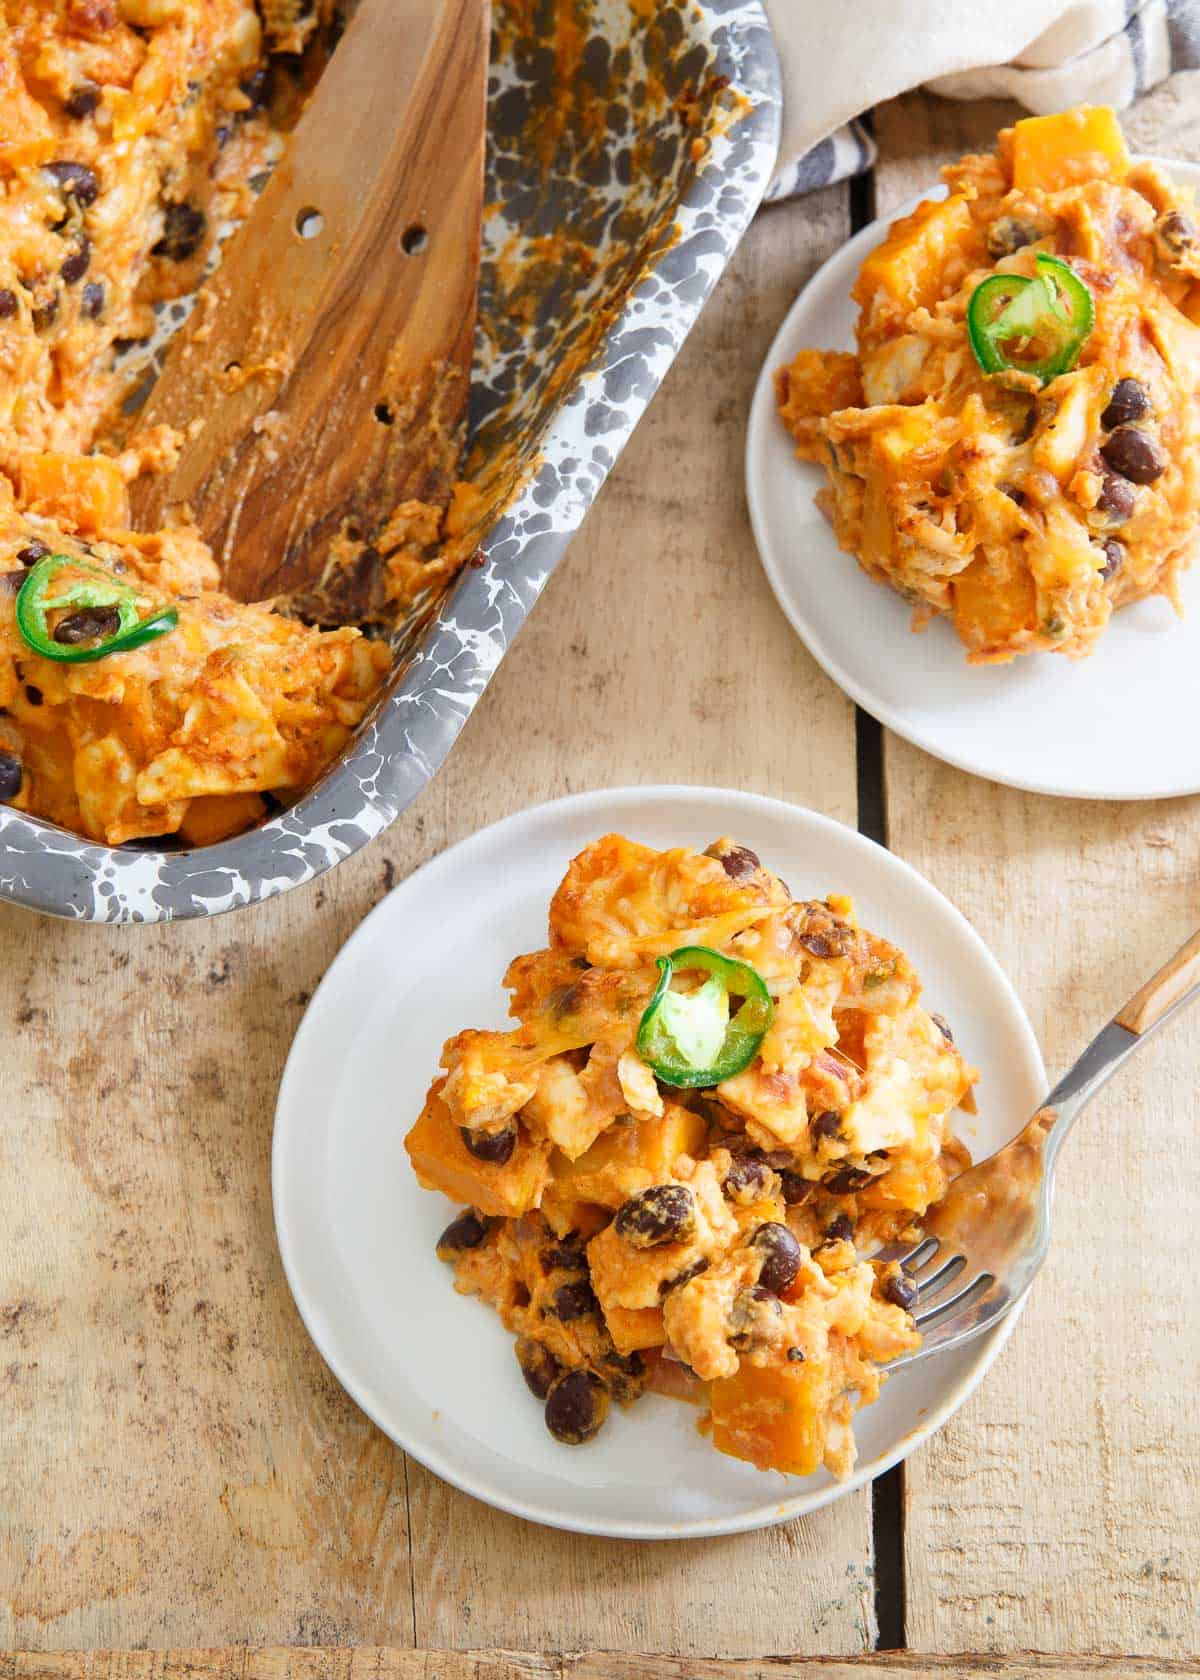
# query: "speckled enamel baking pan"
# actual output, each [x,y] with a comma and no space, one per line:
[630,142]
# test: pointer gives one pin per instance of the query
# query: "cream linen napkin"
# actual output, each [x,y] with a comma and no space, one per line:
[840,57]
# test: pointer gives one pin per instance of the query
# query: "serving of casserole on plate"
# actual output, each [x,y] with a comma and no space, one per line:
[1000,425]
[629,1236]
[239,751]
[717,1102]
[1015,442]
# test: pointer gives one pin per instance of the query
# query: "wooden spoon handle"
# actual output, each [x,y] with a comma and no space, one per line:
[1174,980]
[322,380]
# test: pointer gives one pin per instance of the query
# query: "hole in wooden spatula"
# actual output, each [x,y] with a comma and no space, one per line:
[413,240]
[383,414]
[309,222]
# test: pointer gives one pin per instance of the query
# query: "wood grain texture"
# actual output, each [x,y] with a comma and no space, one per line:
[375,1664]
[1059,1510]
[178,1467]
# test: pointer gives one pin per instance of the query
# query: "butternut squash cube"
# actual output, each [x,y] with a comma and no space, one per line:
[86,491]
[633,1329]
[990,609]
[774,1416]
[215,816]
[910,266]
[1050,153]
[635,1279]
[630,1156]
[442,1161]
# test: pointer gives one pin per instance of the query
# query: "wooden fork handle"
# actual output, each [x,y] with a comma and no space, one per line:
[1168,987]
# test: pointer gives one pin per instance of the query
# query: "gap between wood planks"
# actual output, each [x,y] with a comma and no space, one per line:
[887,1491]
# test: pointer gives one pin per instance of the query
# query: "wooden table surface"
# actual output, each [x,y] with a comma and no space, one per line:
[178,1471]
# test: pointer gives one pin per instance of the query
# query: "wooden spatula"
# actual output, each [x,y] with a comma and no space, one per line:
[323,377]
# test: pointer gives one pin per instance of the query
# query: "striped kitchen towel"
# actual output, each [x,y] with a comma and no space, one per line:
[840,57]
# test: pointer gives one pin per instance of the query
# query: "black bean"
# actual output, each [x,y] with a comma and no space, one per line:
[625,1374]
[183,232]
[539,1367]
[91,625]
[494,1147]
[576,1408]
[748,1180]
[467,1231]
[574,1300]
[901,1290]
[82,100]
[563,1257]
[822,933]
[8,304]
[739,863]
[796,1188]
[840,1228]
[1176,233]
[78,263]
[33,694]
[680,1278]
[1117,497]
[1008,234]
[664,1213]
[846,1181]
[1130,400]
[32,553]
[826,1125]
[91,304]
[750,1317]
[1135,454]
[780,1256]
[44,314]
[795,1356]
[10,774]
[10,582]
[75,180]
[257,86]
[1114,555]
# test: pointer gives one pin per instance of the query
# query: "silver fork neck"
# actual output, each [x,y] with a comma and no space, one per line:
[1109,1050]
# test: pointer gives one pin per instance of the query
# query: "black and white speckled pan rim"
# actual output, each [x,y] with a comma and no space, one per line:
[401,746]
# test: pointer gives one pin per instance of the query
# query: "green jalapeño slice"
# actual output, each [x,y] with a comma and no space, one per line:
[108,620]
[690,1039]
[1038,326]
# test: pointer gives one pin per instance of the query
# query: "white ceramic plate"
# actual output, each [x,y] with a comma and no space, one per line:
[1102,728]
[435,1370]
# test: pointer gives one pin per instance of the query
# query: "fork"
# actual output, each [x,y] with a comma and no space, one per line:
[984,1242]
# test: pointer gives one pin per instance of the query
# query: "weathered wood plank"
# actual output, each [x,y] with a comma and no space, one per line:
[178,1465]
[1059,1510]
[374,1664]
